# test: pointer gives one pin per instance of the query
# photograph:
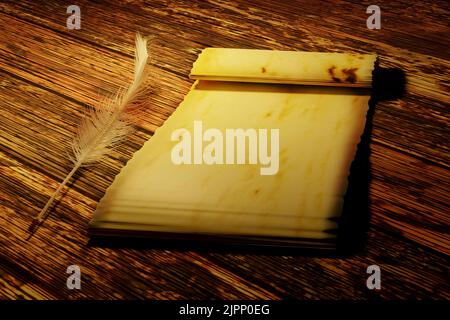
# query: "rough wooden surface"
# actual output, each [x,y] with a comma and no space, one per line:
[49,75]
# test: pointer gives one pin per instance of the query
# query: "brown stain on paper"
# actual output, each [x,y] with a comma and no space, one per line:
[350,74]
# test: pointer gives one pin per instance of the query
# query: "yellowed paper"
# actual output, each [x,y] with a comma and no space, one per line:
[319,128]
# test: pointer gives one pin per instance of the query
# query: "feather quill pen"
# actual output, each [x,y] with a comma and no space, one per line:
[103,128]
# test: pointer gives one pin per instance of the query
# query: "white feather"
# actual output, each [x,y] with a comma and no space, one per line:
[103,128]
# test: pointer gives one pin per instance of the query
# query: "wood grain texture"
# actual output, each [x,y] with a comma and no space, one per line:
[50,75]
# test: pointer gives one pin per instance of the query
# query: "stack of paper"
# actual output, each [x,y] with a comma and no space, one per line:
[259,150]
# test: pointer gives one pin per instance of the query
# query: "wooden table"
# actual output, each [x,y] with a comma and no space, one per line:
[50,75]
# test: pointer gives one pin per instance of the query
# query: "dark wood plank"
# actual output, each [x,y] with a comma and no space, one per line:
[426,97]
[296,277]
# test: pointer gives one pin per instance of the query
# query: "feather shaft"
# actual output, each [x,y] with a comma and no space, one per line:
[38,219]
